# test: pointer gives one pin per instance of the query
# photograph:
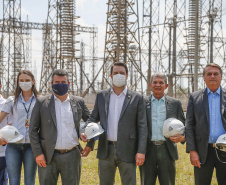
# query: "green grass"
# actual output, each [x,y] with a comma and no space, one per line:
[184,175]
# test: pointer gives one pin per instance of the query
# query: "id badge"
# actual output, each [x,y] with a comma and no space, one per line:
[27,122]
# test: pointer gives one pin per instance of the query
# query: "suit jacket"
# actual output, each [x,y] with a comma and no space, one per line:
[173,110]
[197,122]
[43,126]
[132,125]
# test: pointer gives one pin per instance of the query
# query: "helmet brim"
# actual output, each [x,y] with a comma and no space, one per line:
[16,139]
[97,134]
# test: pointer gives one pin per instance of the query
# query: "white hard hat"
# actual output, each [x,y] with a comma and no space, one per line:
[173,126]
[221,143]
[82,126]
[92,130]
[10,134]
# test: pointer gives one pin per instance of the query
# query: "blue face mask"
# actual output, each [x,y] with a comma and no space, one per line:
[60,89]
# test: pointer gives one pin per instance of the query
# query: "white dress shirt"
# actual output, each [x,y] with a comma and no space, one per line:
[5,121]
[67,136]
[20,114]
[115,108]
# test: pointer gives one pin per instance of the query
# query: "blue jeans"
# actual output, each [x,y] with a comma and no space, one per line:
[15,155]
[3,172]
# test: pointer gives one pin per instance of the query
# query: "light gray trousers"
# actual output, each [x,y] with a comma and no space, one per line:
[108,166]
[68,165]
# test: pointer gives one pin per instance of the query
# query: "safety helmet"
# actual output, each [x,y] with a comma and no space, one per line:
[221,143]
[82,126]
[92,130]
[10,134]
[173,126]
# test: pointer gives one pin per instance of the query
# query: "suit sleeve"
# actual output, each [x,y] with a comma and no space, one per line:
[189,126]
[180,116]
[94,117]
[34,130]
[85,111]
[142,127]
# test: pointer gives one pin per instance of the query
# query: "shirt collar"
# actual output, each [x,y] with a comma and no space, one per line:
[124,91]
[218,91]
[22,98]
[57,99]
[153,98]
[1,99]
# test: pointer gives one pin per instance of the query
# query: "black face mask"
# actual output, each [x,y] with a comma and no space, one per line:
[60,89]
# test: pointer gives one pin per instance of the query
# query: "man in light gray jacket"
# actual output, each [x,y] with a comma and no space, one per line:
[54,131]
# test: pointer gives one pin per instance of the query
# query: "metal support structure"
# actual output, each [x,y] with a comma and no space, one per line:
[150,37]
[62,42]
[82,66]
[13,58]
[122,32]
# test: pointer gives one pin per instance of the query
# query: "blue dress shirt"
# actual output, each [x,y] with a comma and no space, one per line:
[158,111]
[216,127]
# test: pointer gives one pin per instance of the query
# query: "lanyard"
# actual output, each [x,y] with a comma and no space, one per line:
[27,111]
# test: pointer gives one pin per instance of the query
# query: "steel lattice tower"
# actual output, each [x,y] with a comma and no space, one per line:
[122,33]
[150,37]
[60,44]
[12,51]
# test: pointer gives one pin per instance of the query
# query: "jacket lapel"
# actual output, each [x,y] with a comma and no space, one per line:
[126,102]
[205,103]
[222,100]
[52,109]
[107,99]
[148,113]
[74,111]
[168,107]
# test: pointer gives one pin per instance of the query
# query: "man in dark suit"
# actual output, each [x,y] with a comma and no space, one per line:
[161,151]
[121,113]
[54,132]
[205,122]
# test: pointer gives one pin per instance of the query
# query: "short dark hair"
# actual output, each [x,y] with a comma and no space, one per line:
[119,64]
[212,65]
[60,72]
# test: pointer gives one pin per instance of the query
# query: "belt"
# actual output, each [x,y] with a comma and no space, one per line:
[158,142]
[112,143]
[65,151]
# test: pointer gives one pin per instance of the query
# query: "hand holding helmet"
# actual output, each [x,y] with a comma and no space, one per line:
[93,130]
[172,127]
[10,134]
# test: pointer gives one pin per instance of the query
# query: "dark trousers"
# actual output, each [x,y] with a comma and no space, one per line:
[158,163]
[107,168]
[203,175]
[68,165]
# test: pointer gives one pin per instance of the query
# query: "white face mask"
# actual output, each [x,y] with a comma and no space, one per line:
[25,86]
[119,80]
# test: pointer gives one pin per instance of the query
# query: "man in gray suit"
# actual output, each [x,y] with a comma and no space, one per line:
[54,132]
[205,122]
[161,152]
[121,113]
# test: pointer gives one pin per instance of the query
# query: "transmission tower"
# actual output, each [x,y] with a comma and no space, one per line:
[12,45]
[150,37]
[60,43]
[122,32]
